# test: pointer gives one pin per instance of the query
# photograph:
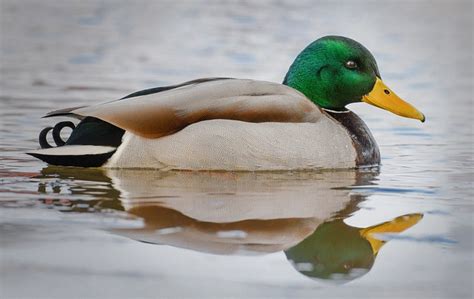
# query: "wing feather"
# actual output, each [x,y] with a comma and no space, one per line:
[64,112]
[163,113]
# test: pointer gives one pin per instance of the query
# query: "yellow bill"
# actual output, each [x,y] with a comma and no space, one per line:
[397,225]
[383,97]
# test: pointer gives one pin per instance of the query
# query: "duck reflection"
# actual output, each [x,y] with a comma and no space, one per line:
[342,252]
[299,213]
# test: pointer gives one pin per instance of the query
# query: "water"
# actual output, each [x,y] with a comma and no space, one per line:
[69,232]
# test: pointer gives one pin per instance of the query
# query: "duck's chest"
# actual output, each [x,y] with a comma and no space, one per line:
[366,148]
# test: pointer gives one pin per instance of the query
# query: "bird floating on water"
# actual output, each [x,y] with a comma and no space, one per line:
[238,124]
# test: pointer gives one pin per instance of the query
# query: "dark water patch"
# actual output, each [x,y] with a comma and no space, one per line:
[393,190]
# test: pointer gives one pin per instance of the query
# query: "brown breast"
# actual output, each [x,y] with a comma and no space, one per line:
[363,141]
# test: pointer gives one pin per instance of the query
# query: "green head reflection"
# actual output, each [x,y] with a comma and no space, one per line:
[339,252]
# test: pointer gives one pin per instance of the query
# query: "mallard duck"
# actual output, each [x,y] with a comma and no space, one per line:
[238,124]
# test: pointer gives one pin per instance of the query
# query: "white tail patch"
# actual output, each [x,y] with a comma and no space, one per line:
[74,150]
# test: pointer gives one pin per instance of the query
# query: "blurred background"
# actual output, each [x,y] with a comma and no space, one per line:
[56,54]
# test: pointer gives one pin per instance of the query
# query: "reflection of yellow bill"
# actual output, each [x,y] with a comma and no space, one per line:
[397,225]
[383,97]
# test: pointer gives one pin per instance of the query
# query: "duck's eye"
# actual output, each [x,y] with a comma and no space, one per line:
[350,64]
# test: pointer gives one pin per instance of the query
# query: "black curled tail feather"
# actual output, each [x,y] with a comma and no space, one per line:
[42,138]
[90,131]
[57,131]
[56,134]
[91,143]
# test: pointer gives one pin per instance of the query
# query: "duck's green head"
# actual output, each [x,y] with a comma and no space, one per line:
[334,71]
